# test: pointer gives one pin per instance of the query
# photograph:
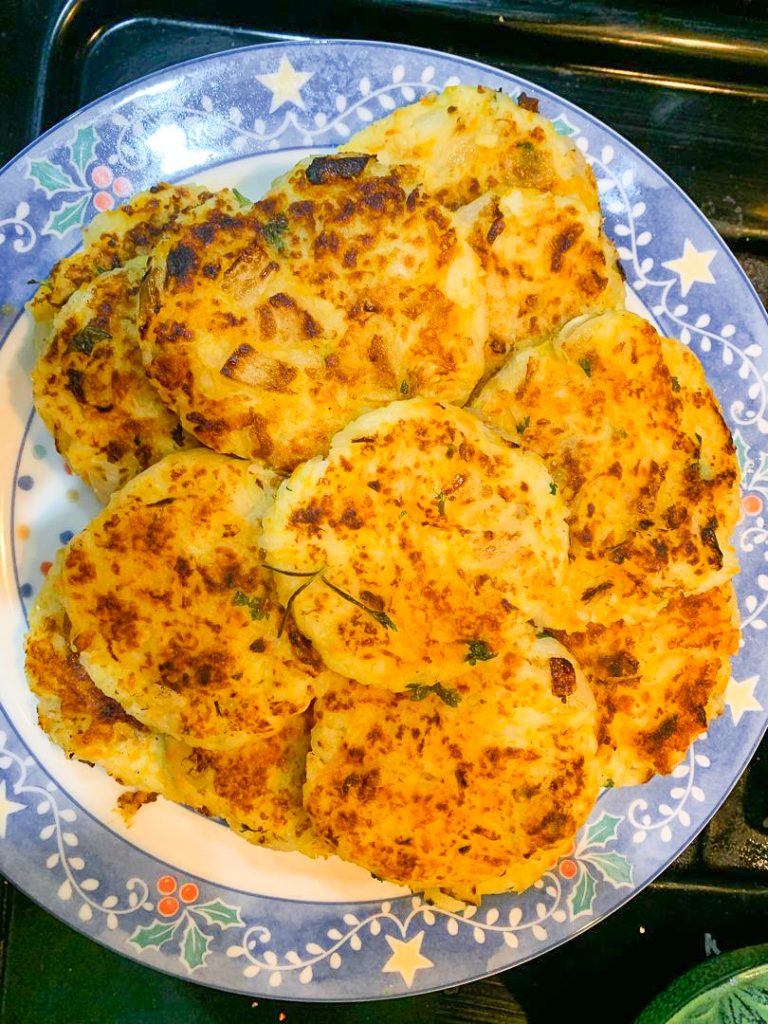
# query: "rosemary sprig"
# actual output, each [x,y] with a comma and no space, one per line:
[379,616]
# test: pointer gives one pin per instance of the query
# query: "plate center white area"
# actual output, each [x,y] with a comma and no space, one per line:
[49,506]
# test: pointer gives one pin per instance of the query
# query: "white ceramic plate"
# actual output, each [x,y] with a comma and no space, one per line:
[181,893]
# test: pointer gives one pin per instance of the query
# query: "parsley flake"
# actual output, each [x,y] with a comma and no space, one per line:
[440,499]
[86,338]
[586,366]
[523,425]
[255,605]
[479,650]
[675,384]
[420,691]
[553,488]
[274,229]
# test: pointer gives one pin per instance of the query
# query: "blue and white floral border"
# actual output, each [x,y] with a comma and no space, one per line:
[276,97]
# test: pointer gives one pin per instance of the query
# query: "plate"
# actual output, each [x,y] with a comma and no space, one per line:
[176,891]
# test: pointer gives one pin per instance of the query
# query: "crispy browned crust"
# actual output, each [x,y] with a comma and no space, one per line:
[270,330]
[172,613]
[91,390]
[659,684]
[638,448]
[471,797]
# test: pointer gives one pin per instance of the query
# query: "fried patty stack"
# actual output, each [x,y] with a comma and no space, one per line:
[498,575]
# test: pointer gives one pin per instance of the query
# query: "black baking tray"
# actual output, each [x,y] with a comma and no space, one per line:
[688,84]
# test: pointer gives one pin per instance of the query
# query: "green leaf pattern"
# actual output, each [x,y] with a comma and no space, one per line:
[612,867]
[220,913]
[50,178]
[68,216]
[194,946]
[155,935]
[602,831]
[84,148]
[582,895]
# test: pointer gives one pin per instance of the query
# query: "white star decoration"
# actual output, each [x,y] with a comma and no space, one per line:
[406,958]
[692,267]
[740,697]
[7,808]
[285,85]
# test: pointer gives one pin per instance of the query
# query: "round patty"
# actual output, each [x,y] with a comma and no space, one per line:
[471,788]
[172,614]
[345,288]
[637,446]
[422,543]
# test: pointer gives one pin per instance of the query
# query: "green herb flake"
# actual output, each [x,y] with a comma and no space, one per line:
[545,634]
[403,514]
[405,388]
[479,650]
[274,230]
[609,784]
[86,338]
[419,691]
[675,384]
[242,200]
[523,425]
[553,488]
[255,605]
[440,499]
[586,366]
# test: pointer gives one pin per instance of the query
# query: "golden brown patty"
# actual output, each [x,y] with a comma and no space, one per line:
[91,390]
[433,539]
[113,238]
[638,448]
[659,684]
[77,716]
[469,140]
[546,261]
[344,289]
[473,789]
[257,788]
[171,612]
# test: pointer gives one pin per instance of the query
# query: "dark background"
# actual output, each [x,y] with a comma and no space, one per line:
[688,83]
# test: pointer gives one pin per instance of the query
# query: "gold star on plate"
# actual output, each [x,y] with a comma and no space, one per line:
[7,808]
[692,267]
[406,958]
[285,84]
[740,697]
